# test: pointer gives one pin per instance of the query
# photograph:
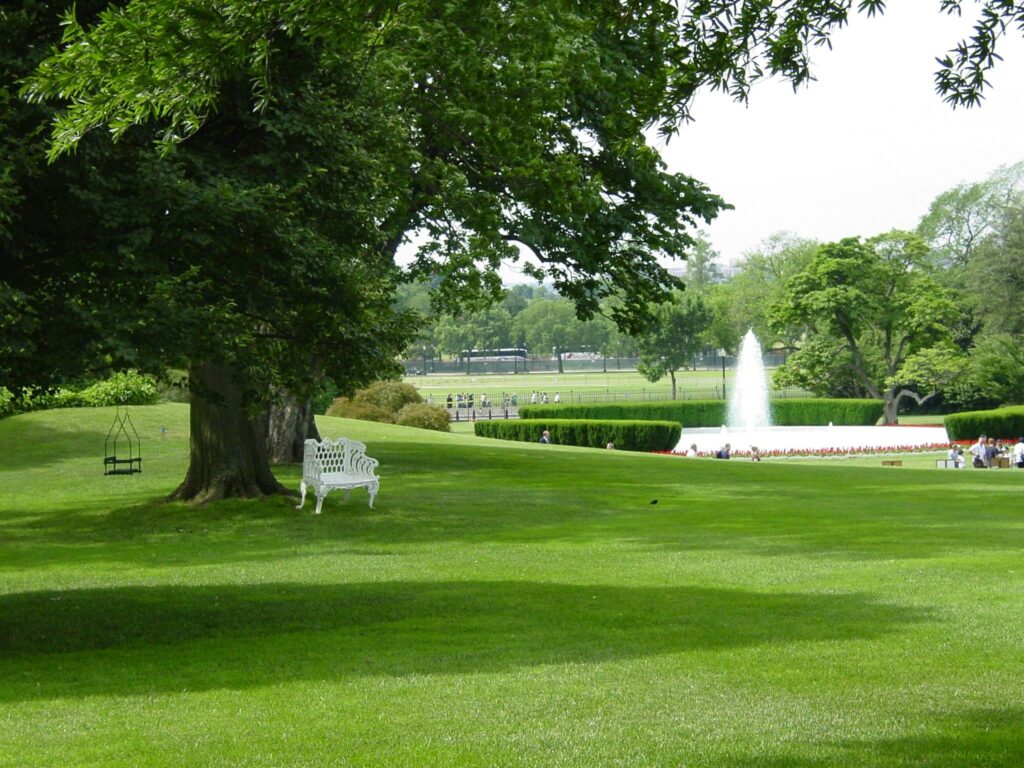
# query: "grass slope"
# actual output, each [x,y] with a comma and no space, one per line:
[505,605]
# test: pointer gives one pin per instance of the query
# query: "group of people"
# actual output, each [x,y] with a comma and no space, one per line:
[542,398]
[987,452]
[468,400]
[725,452]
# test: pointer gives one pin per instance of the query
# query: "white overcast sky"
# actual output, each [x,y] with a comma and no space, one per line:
[865,148]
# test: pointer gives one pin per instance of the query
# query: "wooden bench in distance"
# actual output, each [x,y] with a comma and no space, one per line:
[337,464]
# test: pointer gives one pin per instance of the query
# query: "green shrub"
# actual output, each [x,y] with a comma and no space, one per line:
[1005,423]
[6,402]
[381,401]
[424,416]
[588,433]
[126,388]
[344,408]
[712,413]
[390,395]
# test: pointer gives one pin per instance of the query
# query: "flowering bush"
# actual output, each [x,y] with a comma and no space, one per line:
[863,450]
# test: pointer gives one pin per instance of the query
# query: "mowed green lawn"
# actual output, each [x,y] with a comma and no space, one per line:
[494,385]
[505,605]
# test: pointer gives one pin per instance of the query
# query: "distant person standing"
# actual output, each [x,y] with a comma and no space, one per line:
[558,398]
[448,401]
[978,453]
[1018,453]
[545,437]
[956,456]
[991,453]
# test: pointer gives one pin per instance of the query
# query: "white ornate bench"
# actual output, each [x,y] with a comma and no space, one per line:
[340,463]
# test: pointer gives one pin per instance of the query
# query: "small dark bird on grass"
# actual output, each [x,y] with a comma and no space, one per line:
[654,501]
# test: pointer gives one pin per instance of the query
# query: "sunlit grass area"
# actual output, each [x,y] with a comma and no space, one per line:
[494,385]
[505,604]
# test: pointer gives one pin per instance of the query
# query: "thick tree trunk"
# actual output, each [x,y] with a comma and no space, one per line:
[890,409]
[289,425]
[227,451]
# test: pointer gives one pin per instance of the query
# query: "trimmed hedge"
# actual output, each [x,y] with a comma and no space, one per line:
[819,411]
[690,413]
[712,413]
[588,433]
[1003,423]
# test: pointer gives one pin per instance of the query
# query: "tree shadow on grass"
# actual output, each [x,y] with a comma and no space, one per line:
[171,638]
[990,737]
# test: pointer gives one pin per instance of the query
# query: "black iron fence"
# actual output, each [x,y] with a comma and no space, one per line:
[427,365]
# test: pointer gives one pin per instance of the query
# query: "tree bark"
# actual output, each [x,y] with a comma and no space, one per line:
[891,409]
[288,426]
[227,448]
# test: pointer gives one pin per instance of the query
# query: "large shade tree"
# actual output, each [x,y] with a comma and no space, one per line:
[233,256]
[878,321]
[674,338]
[315,136]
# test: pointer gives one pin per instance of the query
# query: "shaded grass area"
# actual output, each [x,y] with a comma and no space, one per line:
[505,604]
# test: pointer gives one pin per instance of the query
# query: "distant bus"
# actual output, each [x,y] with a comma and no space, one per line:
[494,355]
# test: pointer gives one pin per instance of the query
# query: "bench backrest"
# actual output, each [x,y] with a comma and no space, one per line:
[336,456]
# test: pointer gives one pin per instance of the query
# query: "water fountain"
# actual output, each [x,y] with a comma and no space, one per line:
[748,422]
[748,404]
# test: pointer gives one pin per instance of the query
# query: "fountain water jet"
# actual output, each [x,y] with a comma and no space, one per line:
[748,404]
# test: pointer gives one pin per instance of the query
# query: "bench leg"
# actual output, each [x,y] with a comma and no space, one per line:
[373,492]
[320,499]
[302,490]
